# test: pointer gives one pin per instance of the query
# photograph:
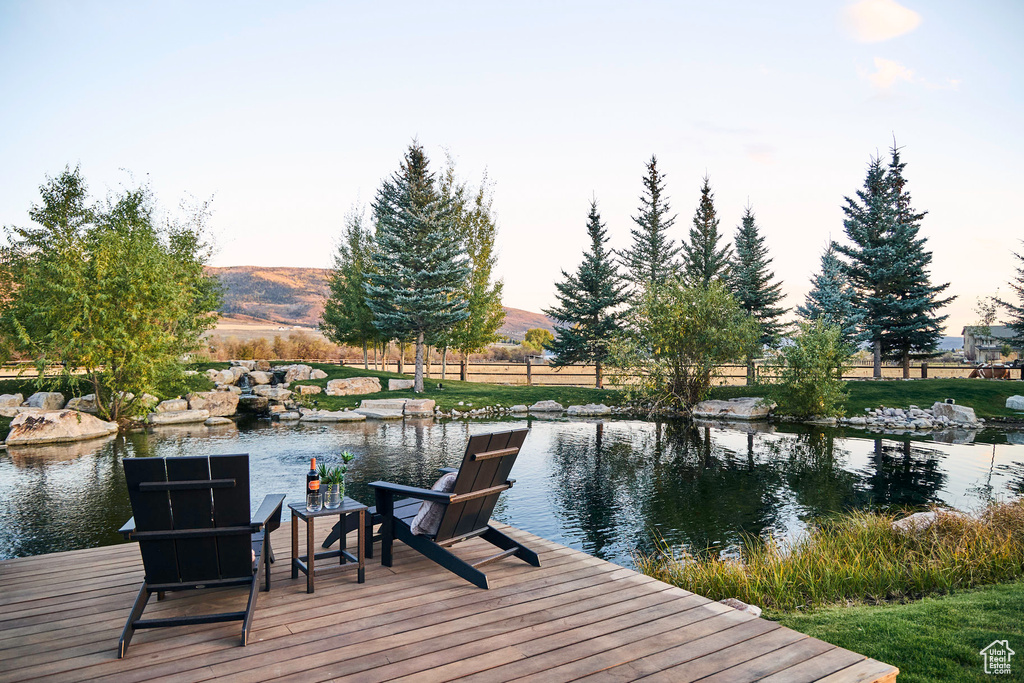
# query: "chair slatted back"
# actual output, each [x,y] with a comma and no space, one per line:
[184,494]
[471,515]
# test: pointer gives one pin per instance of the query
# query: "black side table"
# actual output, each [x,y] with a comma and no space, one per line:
[306,563]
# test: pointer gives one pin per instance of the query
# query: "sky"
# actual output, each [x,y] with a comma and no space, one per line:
[288,115]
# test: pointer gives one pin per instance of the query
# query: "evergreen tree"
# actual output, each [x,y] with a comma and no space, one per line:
[419,268]
[912,324]
[754,285]
[831,298]
[588,312]
[1016,311]
[703,260]
[651,260]
[476,227]
[347,319]
[870,267]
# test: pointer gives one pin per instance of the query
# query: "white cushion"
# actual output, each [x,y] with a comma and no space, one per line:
[428,518]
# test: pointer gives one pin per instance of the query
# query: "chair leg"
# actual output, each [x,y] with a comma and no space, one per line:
[129,627]
[386,508]
[250,607]
[368,535]
[334,536]
[268,557]
[504,542]
[441,556]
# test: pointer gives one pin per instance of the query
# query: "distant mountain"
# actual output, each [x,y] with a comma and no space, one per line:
[295,296]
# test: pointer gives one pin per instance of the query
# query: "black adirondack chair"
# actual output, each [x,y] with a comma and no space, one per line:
[481,478]
[192,523]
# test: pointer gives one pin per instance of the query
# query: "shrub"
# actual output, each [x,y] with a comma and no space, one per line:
[808,373]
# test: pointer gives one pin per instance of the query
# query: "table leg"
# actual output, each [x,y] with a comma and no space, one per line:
[344,539]
[295,546]
[311,553]
[360,545]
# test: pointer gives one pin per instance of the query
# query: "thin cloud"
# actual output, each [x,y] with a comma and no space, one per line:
[760,153]
[888,73]
[872,21]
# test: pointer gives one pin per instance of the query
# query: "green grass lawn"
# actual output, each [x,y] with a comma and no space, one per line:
[934,639]
[471,394]
[986,396]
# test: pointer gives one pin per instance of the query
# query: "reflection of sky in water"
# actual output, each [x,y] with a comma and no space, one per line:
[608,488]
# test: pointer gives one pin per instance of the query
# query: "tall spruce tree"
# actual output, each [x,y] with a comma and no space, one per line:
[651,260]
[754,285]
[703,260]
[347,319]
[912,323]
[870,267]
[589,312]
[415,287]
[831,298]
[1016,311]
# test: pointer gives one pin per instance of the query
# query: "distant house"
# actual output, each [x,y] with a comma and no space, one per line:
[987,348]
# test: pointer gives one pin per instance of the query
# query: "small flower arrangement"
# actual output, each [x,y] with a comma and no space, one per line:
[334,475]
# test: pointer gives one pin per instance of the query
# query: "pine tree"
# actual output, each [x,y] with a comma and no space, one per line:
[870,267]
[347,319]
[419,268]
[476,226]
[588,312]
[831,298]
[1016,311]
[913,327]
[703,260]
[754,285]
[651,260]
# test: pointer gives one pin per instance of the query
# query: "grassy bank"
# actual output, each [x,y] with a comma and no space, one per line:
[987,397]
[858,557]
[934,639]
[470,394]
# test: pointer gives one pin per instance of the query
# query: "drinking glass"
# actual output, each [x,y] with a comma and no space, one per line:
[313,503]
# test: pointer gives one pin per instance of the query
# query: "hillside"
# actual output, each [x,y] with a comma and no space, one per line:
[295,296]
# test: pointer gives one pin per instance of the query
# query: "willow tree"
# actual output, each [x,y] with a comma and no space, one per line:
[109,290]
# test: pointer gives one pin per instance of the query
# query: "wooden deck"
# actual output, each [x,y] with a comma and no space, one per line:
[576,617]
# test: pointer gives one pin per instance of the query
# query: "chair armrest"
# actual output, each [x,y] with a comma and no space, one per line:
[413,492]
[128,529]
[270,509]
[447,470]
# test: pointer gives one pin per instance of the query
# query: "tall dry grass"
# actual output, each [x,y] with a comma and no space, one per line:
[858,557]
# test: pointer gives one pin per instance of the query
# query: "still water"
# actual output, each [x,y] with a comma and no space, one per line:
[608,488]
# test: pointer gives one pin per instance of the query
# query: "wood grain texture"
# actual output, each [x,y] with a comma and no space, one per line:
[575,617]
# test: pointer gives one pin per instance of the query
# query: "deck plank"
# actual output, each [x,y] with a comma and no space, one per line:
[575,617]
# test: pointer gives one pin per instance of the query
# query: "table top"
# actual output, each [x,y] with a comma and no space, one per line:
[347,505]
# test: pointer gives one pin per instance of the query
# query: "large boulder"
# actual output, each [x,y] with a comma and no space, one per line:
[380,413]
[955,413]
[546,407]
[253,404]
[384,403]
[213,375]
[249,365]
[260,377]
[353,386]
[1013,403]
[419,407]
[589,410]
[218,403]
[333,416]
[747,408]
[272,393]
[178,417]
[308,389]
[56,426]
[218,421]
[173,405]
[294,373]
[45,400]
[85,404]
[317,373]
[236,373]
[226,377]
[400,384]
[263,365]
[11,400]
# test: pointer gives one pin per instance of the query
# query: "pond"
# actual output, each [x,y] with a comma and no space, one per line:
[609,488]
